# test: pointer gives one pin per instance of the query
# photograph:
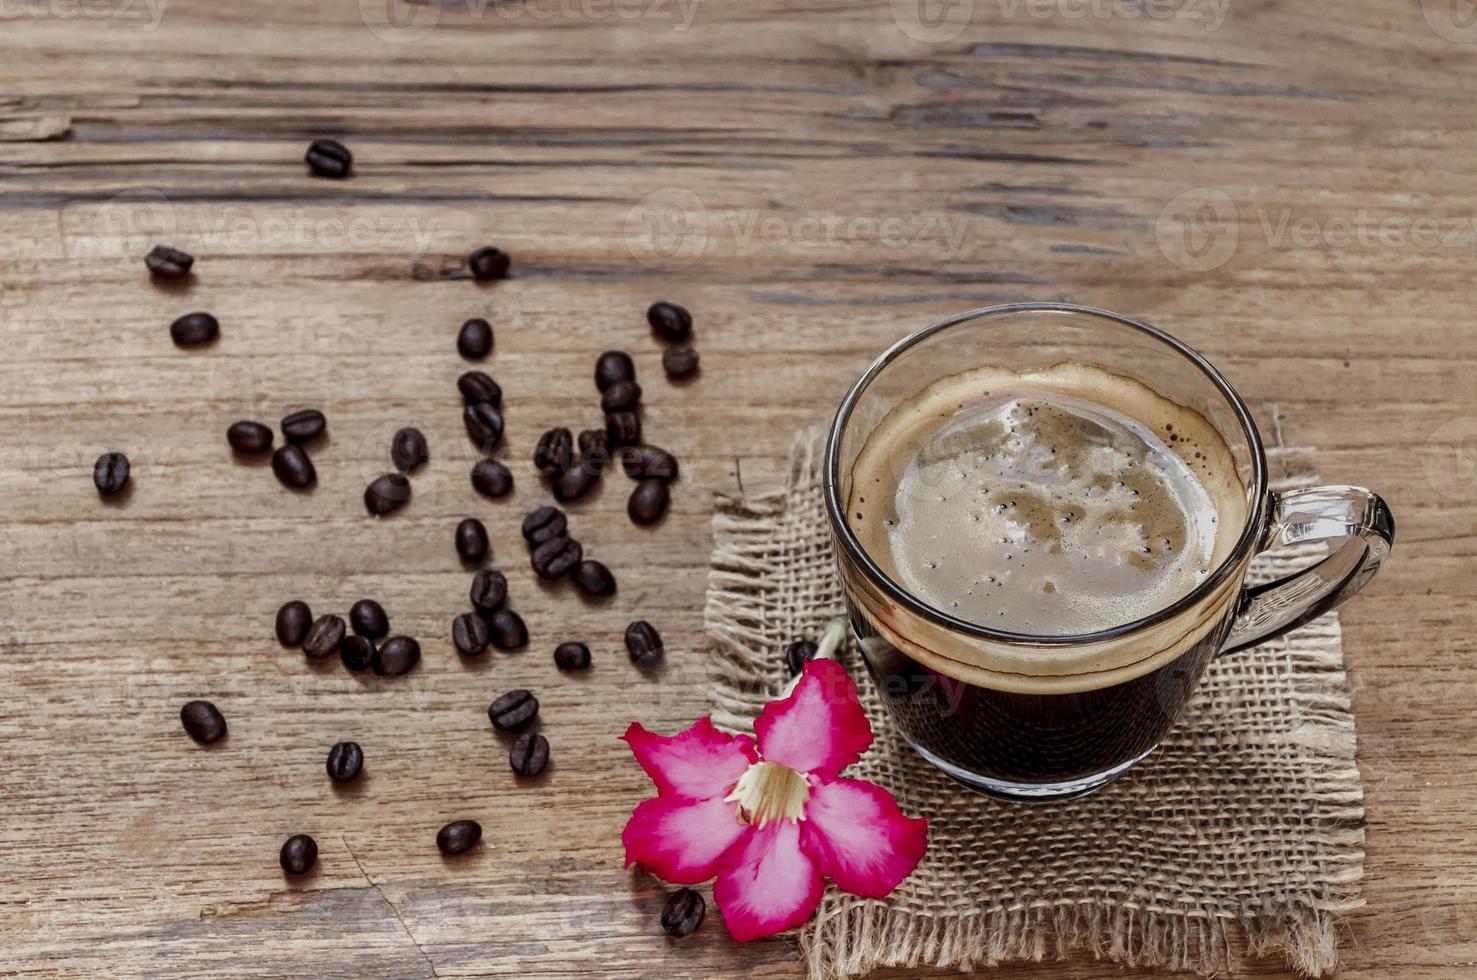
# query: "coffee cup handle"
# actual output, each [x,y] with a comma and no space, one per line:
[1356,515]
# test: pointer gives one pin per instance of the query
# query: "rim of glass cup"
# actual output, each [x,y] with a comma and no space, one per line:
[1250,533]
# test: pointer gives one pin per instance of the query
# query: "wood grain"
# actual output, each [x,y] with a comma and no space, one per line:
[810,179]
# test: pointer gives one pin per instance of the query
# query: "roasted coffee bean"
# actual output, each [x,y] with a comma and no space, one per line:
[593,578]
[298,855]
[459,836]
[408,450]
[680,362]
[369,619]
[303,427]
[594,447]
[623,428]
[195,330]
[165,262]
[613,366]
[396,655]
[542,524]
[293,620]
[489,590]
[669,321]
[477,386]
[491,478]
[489,263]
[623,396]
[469,634]
[513,710]
[345,760]
[574,483]
[649,463]
[506,630]
[529,754]
[471,540]
[644,644]
[556,557]
[572,656]
[324,636]
[293,467]
[683,912]
[474,340]
[202,721]
[357,652]
[797,653]
[110,473]
[329,158]
[249,438]
[484,424]
[554,452]
[648,501]
[387,494]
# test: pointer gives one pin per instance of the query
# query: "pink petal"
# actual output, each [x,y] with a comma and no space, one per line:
[696,764]
[768,884]
[818,728]
[858,836]
[682,840]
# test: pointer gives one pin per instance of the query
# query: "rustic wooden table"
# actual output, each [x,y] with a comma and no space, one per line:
[1286,186]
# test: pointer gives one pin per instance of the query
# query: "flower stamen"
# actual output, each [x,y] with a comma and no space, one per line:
[768,791]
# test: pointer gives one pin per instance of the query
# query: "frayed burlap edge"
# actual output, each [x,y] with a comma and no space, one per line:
[850,936]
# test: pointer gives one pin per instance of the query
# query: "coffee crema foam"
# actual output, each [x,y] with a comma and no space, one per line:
[1054,502]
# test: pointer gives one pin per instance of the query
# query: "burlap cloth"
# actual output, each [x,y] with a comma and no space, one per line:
[1242,835]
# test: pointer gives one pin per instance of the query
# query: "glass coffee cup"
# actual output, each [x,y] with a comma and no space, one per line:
[1035,715]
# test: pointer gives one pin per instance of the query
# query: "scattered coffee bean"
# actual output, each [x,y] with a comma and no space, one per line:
[556,557]
[110,473]
[622,396]
[387,494]
[477,386]
[469,634]
[471,540]
[396,655]
[506,630]
[683,912]
[357,652]
[513,710]
[491,478]
[459,836]
[324,636]
[574,483]
[644,644]
[542,524]
[648,501]
[593,578]
[669,321]
[554,452]
[249,438]
[345,760]
[203,721]
[572,656]
[299,854]
[680,362]
[293,467]
[329,158]
[529,754]
[408,450]
[474,340]
[613,366]
[489,590]
[623,428]
[165,262]
[293,620]
[649,463]
[484,424]
[369,619]
[489,263]
[195,330]
[796,655]
[594,450]
[303,427]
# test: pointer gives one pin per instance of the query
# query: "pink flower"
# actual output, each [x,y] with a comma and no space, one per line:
[770,822]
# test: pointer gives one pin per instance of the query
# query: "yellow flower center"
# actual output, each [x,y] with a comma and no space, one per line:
[768,791]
